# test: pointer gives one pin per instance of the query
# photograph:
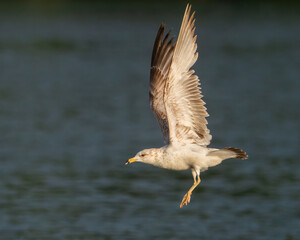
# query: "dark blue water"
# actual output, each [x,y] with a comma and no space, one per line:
[74,107]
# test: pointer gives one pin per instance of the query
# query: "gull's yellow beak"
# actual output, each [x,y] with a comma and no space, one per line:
[131,160]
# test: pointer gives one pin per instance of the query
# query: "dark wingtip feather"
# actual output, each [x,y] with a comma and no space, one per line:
[157,42]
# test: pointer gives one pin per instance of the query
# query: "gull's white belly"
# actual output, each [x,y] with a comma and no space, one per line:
[187,157]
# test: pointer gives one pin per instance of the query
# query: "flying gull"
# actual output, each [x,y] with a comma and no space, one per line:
[176,101]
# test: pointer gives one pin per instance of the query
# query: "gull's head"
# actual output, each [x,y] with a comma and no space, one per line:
[145,156]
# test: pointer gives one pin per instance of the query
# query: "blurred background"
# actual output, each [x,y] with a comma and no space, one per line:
[74,107]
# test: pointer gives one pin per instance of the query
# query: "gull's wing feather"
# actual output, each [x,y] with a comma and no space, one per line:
[185,108]
[161,59]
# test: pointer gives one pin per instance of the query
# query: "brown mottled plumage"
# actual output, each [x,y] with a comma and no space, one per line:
[160,64]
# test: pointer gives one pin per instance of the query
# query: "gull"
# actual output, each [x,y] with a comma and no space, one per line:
[176,101]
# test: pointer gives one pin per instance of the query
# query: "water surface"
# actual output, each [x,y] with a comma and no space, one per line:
[74,108]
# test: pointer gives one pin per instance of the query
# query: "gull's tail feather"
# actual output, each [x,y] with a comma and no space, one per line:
[239,153]
[229,152]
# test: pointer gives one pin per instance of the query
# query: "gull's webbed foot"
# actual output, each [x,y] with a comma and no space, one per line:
[186,199]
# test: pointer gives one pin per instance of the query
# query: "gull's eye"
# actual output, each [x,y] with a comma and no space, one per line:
[143,155]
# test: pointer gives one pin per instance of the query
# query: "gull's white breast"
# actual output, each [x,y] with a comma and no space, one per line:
[185,157]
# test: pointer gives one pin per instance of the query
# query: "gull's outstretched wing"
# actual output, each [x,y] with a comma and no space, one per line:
[185,108]
[161,59]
